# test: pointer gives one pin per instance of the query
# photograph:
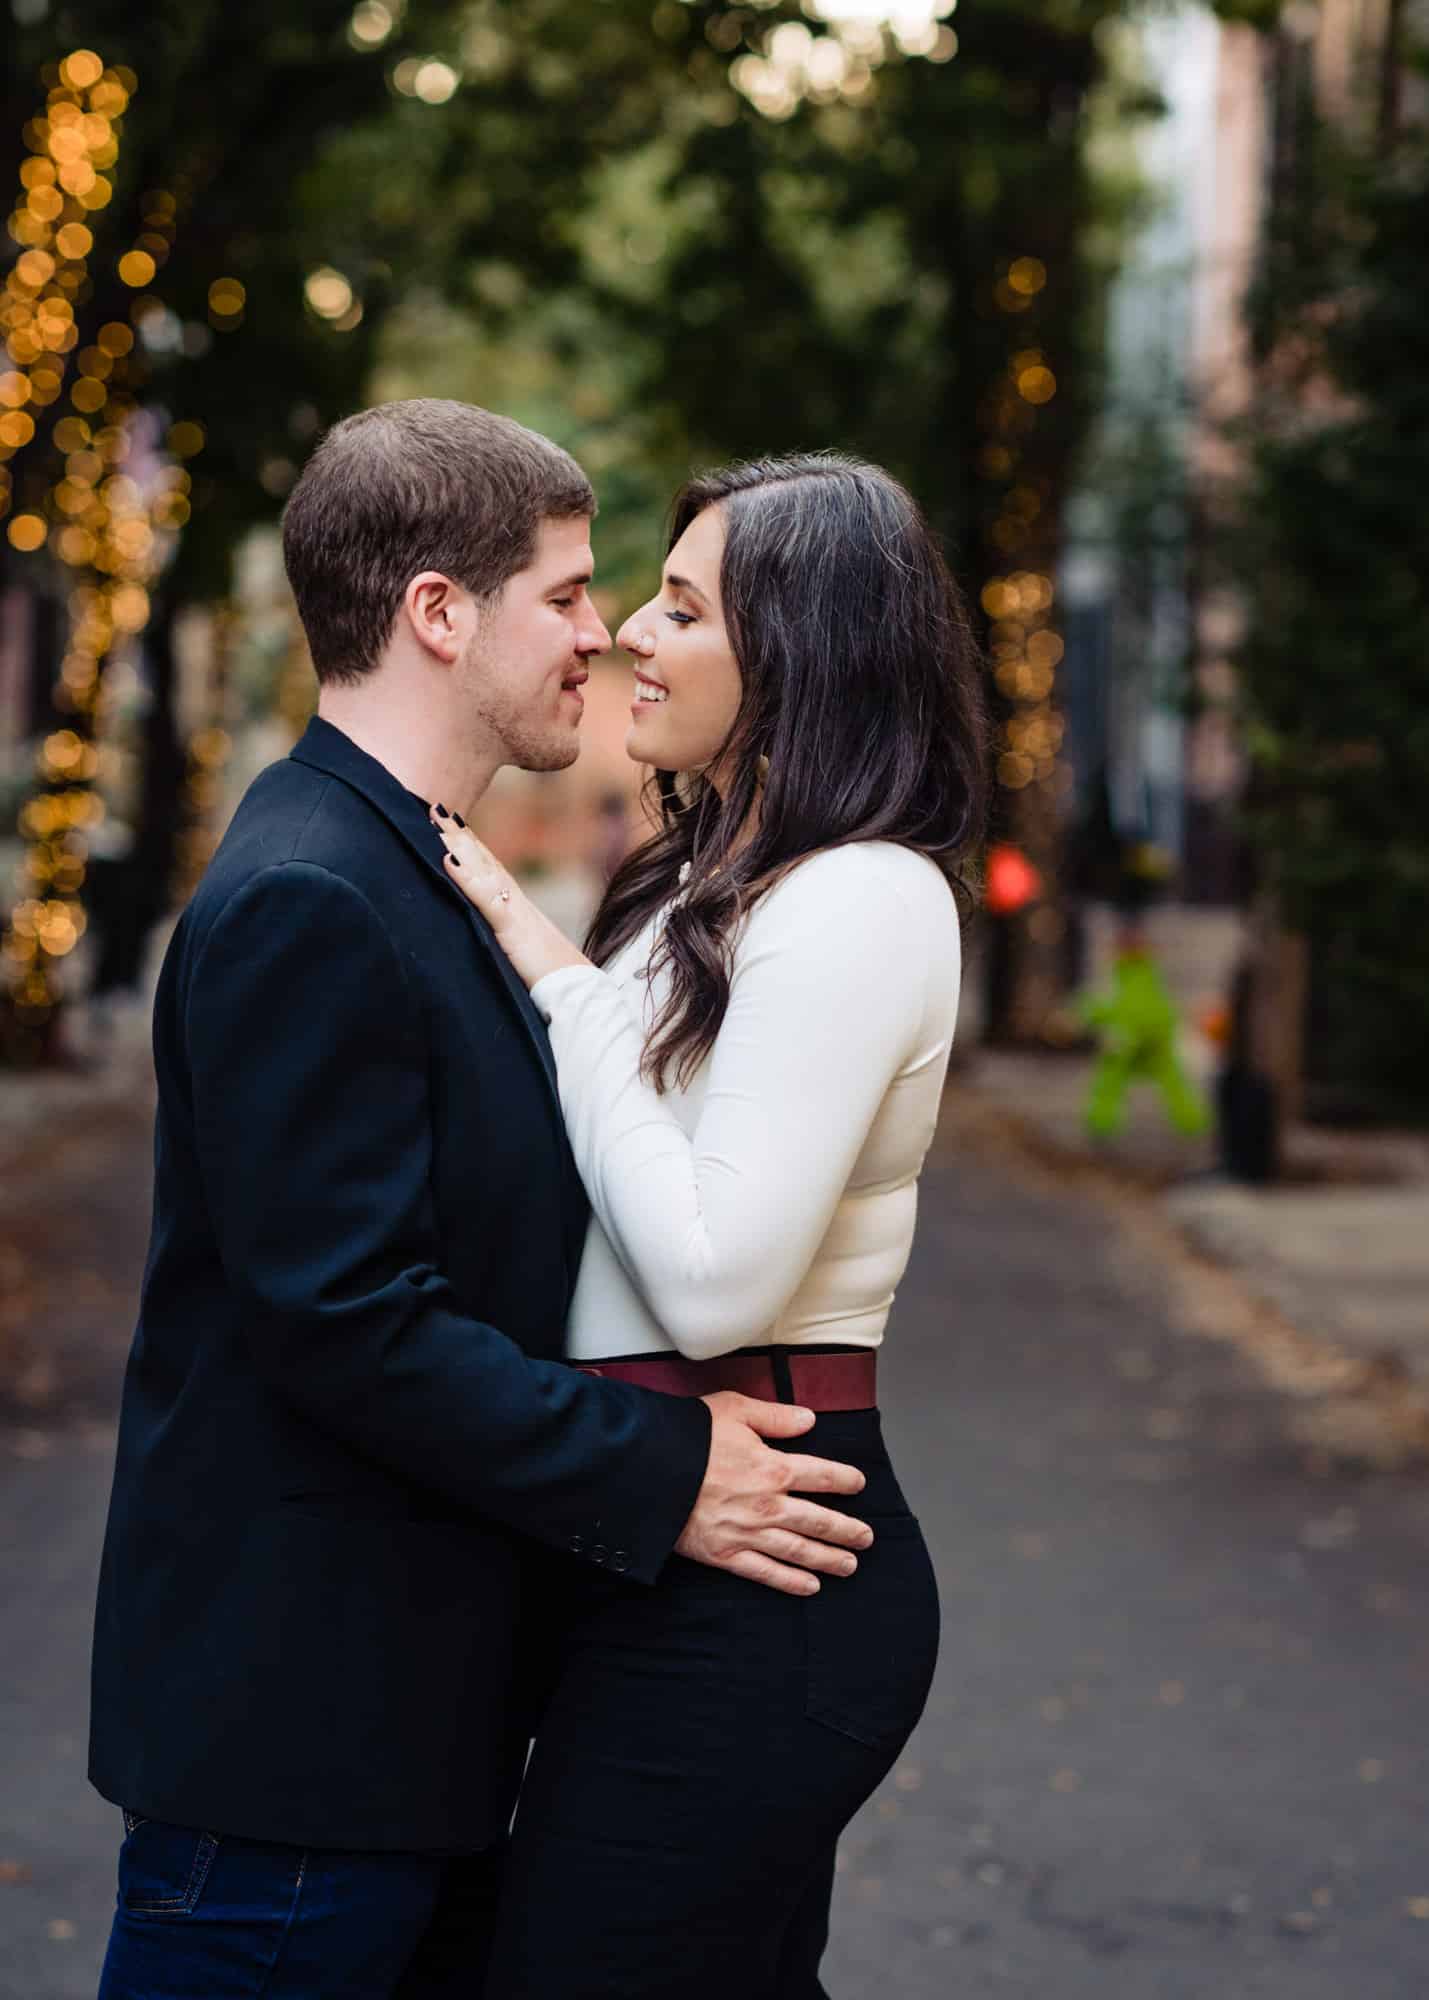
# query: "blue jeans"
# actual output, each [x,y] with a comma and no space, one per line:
[204,1916]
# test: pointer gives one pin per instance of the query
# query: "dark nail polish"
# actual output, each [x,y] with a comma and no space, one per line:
[459,821]
[455,860]
[442,809]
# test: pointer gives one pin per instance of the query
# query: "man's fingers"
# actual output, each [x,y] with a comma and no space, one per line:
[821,1475]
[787,1548]
[822,1524]
[778,1576]
[770,1420]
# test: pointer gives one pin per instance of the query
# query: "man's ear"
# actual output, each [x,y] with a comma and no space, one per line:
[440,615]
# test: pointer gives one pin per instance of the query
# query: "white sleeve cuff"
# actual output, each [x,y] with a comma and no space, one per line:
[547,993]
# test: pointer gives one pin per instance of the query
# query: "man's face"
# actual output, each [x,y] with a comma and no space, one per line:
[520,678]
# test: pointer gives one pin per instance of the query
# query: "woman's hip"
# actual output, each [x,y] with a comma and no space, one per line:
[707,1649]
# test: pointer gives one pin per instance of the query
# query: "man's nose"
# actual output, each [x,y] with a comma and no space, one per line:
[594,638]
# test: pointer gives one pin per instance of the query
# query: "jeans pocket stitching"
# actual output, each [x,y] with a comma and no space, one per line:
[184,1904]
[133,1821]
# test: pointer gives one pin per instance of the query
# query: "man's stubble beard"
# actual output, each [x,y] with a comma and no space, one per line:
[499,718]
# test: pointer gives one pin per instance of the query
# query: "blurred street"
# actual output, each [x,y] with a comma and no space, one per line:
[1130,299]
[1177,1743]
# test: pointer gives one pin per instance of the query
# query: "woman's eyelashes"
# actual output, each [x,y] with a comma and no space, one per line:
[680,617]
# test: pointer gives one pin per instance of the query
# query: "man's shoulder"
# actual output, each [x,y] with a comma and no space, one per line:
[295,818]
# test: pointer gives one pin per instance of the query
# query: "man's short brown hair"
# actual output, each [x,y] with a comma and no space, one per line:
[411,486]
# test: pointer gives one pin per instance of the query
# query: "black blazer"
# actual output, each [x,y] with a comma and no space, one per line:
[345,1389]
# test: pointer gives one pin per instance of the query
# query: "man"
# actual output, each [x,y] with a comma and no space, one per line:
[345,1402]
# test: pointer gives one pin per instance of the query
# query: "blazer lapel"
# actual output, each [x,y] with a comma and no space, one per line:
[325,748]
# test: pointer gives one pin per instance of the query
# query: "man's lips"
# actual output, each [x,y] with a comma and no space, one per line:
[575,681]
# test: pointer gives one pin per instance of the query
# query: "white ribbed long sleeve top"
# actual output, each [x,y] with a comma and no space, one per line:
[773,1199]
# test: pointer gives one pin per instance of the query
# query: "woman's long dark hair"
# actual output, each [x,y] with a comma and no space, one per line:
[861,685]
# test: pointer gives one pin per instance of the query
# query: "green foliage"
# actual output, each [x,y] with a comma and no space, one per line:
[598,229]
[758,283]
[1332,553]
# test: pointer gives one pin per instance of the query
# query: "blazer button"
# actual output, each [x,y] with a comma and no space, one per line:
[620,1560]
[599,1553]
[577,1545]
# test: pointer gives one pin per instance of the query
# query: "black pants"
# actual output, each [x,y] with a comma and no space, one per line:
[702,1746]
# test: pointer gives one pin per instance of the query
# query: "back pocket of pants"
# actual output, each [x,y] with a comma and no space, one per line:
[873,1639]
[162,1868]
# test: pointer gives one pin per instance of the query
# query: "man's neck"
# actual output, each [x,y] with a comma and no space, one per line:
[404,743]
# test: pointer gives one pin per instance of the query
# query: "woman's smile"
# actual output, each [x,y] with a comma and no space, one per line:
[649,692]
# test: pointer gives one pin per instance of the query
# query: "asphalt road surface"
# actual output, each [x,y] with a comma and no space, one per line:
[1178,1742]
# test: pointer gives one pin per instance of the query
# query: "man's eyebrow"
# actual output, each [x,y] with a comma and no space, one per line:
[577,578]
[683,583]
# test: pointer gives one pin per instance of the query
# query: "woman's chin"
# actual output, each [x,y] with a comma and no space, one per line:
[642,744]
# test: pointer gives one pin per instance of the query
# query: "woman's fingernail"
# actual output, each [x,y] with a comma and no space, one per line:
[442,809]
[454,860]
[459,821]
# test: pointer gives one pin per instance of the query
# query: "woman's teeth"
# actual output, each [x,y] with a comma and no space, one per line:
[649,691]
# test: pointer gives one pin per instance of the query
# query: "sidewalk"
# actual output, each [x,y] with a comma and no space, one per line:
[1340,1249]
[75,1150]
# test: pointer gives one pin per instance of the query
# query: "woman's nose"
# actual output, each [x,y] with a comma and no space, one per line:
[635,635]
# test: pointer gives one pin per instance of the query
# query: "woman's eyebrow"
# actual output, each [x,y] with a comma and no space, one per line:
[683,583]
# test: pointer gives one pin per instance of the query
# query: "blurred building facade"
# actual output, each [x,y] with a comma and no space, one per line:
[1151,628]
[1151,737]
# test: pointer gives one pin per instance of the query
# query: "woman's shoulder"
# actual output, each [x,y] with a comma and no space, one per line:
[868,892]
[864,870]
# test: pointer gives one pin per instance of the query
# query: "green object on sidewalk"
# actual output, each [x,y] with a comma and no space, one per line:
[1137,1025]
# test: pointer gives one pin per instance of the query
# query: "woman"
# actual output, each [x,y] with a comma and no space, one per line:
[750,1059]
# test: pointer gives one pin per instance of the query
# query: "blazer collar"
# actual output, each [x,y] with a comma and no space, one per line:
[326,748]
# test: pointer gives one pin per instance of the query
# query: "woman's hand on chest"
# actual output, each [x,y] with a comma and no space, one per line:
[534,945]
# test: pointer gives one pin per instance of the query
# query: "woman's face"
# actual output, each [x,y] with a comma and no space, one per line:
[687,685]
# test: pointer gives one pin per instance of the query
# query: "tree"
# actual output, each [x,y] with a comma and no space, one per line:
[786,228]
[1331,552]
[186,304]
[876,240]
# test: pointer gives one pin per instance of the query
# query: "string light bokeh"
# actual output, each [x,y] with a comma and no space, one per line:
[111,516]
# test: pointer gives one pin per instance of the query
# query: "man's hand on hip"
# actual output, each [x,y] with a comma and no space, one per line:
[746,1517]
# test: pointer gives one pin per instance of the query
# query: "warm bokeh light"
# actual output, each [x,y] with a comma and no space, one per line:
[793,64]
[226,297]
[81,69]
[137,268]
[328,292]
[17,427]
[370,25]
[34,269]
[1027,275]
[27,532]
[435,82]
[74,240]
[186,440]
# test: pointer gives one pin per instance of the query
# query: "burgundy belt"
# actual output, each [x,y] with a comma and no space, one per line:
[817,1381]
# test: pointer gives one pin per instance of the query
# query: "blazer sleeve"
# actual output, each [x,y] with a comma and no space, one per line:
[308,1065]
[828,997]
